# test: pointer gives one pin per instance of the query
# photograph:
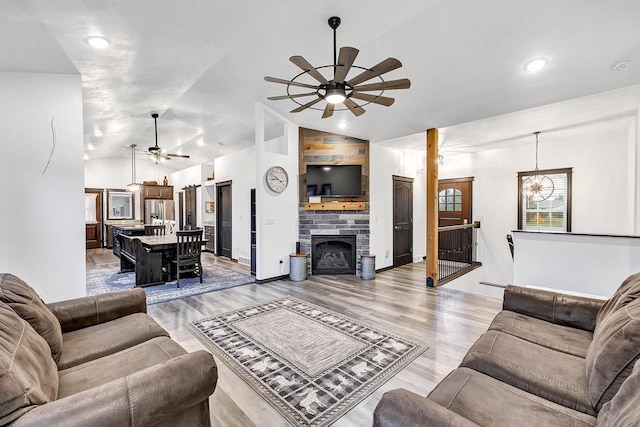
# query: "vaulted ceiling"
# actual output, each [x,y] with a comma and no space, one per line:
[200,64]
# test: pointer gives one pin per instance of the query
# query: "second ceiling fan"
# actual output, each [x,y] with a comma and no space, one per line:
[158,153]
[338,90]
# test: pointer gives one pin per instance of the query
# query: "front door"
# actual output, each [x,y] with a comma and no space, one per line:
[402,220]
[224,219]
[454,208]
[93,217]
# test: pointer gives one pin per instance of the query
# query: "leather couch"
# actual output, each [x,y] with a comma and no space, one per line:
[547,359]
[95,361]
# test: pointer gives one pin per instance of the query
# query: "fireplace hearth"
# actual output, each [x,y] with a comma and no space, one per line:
[333,254]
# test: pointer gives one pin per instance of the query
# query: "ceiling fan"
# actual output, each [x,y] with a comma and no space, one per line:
[338,90]
[158,153]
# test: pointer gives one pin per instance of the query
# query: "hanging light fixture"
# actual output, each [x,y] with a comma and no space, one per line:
[134,186]
[536,187]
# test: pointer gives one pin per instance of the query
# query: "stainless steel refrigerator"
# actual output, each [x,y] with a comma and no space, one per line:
[158,209]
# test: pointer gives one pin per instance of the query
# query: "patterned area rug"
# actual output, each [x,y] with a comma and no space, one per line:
[310,363]
[101,280]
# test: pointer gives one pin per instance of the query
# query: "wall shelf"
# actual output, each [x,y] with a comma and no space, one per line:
[335,206]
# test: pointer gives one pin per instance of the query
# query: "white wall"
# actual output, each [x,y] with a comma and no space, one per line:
[116,173]
[599,189]
[239,167]
[593,265]
[386,162]
[276,214]
[42,226]
[189,176]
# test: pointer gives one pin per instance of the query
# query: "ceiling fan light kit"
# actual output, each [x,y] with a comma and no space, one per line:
[339,90]
[157,153]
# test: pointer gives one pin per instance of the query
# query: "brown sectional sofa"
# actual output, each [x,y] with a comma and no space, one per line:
[547,359]
[95,361]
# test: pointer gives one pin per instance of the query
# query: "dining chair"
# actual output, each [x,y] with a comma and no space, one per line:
[188,253]
[154,230]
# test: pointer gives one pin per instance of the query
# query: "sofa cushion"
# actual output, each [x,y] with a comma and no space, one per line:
[550,374]
[107,338]
[26,302]
[117,365]
[489,402]
[628,292]
[624,408]
[557,337]
[28,374]
[613,352]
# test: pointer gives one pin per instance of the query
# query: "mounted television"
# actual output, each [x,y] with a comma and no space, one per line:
[334,180]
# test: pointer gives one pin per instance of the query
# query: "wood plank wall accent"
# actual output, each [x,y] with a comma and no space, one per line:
[432,207]
[324,148]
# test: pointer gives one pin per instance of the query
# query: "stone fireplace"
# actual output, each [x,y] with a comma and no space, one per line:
[333,254]
[345,227]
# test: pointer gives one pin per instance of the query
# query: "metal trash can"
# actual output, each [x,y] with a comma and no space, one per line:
[297,267]
[368,267]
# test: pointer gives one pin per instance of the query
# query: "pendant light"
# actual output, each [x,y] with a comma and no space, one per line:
[536,187]
[134,186]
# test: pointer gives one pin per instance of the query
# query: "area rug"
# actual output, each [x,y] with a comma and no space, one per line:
[101,280]
[310,363]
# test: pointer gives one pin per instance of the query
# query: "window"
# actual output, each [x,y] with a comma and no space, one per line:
[119,205]
[552,214]
[450,199]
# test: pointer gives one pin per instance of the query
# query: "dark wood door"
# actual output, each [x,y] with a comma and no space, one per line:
[93,217]
[455,208]
[224,219]
[454,201]
[190,207]
[402,220]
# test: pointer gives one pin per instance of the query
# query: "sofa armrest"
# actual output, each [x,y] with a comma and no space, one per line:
[403,408]
[562,309]
[80,313]
[141,399]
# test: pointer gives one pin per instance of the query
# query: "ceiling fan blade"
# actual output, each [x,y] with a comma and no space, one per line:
[304,65]
[353,107]
[184,156]
[328,110]
[288,82]
[385,66]
[307,105]
[297,95]
[345,61]
[382,100]
[391,84]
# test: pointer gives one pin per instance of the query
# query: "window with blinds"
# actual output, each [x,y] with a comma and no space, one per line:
[552,214]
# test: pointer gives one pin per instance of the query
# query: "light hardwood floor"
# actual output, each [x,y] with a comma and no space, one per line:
[446,321]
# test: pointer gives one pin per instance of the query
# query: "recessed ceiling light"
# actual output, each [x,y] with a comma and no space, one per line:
[200,142]
[97,132]
[98,42]
[343,125]
[622,65]
[86,157]
[536,64]
[90,147]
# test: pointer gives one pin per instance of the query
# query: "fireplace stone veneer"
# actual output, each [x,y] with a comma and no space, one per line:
[335,223]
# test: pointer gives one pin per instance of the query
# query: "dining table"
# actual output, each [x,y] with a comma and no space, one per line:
[149,258]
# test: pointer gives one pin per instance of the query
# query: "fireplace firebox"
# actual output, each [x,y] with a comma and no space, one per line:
[333,254]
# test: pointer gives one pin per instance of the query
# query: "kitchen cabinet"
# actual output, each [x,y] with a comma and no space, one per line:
[157,191]
[210,236]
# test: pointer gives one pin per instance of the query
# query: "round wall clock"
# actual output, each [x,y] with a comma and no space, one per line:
[277,179]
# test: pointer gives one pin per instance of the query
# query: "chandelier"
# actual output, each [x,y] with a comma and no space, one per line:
[536,187]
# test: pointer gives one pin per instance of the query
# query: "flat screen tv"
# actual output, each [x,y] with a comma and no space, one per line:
[334,180]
